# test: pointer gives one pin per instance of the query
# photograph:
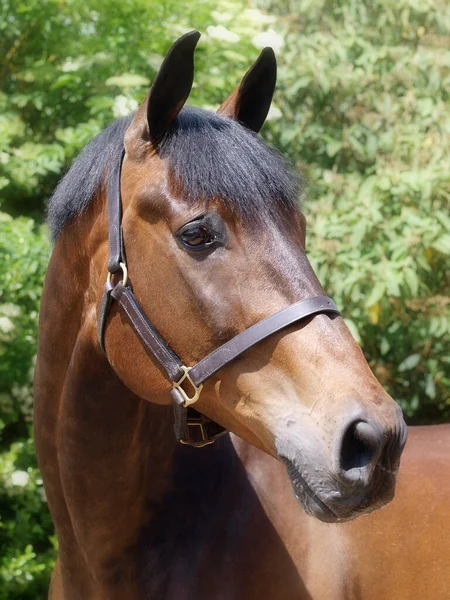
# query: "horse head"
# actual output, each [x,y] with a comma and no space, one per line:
[215,242]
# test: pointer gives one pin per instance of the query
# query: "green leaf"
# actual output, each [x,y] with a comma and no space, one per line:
[409,363]
[376,294]
[412,281]
[353,329]
[333,147]
[430,388]
[300,83]
[385,346]
[442,244]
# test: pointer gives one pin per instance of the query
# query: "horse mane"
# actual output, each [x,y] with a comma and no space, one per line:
[209,156]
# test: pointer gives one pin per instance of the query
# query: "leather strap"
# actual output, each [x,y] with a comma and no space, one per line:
[228,351]
[258,332]
[103,313]
[115,238]
[163,353]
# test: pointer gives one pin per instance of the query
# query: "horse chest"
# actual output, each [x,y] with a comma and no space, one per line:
[211,538]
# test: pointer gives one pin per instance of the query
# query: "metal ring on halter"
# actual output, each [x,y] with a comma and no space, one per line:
[124,272]
[188,400]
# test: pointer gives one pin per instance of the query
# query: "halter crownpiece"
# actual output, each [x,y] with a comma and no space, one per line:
[191,427]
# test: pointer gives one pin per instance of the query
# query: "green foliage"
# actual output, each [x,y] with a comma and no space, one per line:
[27,544]
[70,68]
[362,108]
[26,554]
[24,251]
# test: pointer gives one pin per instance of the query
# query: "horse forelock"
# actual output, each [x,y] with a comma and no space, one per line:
[209,156]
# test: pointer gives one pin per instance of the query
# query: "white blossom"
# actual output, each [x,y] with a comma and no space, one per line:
[20,478]
[269,38]
[219,32]
[123,106]
[70,65]
[6,325]
[9,309]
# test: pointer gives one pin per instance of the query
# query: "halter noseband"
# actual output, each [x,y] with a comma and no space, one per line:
[190,426]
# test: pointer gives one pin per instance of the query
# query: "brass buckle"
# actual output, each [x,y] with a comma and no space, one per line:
[188,400]
[200,422]
[123,266]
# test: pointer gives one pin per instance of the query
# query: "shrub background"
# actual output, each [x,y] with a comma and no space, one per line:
[361,108]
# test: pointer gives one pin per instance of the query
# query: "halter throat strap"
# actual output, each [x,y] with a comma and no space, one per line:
[190,426]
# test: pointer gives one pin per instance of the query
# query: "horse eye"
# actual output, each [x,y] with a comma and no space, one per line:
[196,237]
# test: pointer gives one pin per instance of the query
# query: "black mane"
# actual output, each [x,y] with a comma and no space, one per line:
[209,157]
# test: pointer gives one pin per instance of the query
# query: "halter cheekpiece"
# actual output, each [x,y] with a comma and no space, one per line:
[191,427]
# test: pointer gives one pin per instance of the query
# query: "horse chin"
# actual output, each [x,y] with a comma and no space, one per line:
[318,507]
[306,497]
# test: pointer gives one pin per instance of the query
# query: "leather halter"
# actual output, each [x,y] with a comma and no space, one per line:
[190,426]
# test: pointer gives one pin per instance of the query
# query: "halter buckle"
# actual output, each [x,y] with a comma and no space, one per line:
[188,400]
[123,266]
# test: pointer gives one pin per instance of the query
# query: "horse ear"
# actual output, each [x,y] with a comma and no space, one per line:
[172,85]
[167,96]
[250,102]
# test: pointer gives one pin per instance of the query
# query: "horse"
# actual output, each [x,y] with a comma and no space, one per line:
[194,223]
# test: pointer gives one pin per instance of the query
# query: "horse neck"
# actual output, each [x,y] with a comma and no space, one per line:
[118,450]
[106,454]
[116,465]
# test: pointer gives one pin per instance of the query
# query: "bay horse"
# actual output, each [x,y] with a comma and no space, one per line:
[195,226]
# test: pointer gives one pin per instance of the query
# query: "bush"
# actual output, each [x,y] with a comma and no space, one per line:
[27,542]
[71,68]
[25,527]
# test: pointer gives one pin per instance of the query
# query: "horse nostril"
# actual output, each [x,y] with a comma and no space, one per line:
[360,447]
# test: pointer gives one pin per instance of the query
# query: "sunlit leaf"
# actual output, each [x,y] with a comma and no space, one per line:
[409,363]
[442,244]
[376,293]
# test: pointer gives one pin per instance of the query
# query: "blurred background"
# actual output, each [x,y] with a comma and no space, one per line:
[362,109]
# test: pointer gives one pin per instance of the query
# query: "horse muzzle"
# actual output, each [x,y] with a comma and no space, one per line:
[358,477]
